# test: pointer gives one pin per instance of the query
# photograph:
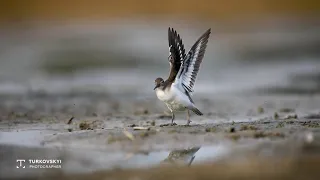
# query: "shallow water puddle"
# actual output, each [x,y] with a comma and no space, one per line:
[188,156]
[28,144]
[80,151]
[75,161]
[25,138]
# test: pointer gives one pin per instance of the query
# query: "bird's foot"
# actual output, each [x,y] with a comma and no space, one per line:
[174,124]
[188,123]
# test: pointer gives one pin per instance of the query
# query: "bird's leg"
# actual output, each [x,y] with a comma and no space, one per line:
[172,119]
[188,117]
[190,162]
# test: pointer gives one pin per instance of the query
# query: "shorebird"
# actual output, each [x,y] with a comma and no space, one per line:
[183,156]
[177,90]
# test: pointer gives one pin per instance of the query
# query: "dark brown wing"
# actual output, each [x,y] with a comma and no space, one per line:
[176,53]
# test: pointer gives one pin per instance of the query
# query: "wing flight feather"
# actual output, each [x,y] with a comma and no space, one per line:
[190,66]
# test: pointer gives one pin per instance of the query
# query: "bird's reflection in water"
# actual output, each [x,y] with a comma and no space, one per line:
[181,157]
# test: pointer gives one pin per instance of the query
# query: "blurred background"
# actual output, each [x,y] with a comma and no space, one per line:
[104,46]
[56,54]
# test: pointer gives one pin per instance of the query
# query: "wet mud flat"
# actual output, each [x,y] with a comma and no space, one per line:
[101,137]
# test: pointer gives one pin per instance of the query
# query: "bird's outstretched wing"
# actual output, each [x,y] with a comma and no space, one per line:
[176,53]
[189,68]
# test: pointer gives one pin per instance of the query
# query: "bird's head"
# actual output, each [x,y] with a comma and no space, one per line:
[158,82]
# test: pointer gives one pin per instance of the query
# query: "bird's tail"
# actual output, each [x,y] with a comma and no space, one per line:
[196,111]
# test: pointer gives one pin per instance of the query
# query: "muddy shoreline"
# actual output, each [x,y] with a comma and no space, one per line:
[101,135]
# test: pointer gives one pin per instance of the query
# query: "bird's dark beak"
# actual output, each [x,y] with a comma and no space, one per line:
[156,87]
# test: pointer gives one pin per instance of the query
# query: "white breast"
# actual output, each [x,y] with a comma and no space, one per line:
[164,95]
[174,99]
[174,94]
